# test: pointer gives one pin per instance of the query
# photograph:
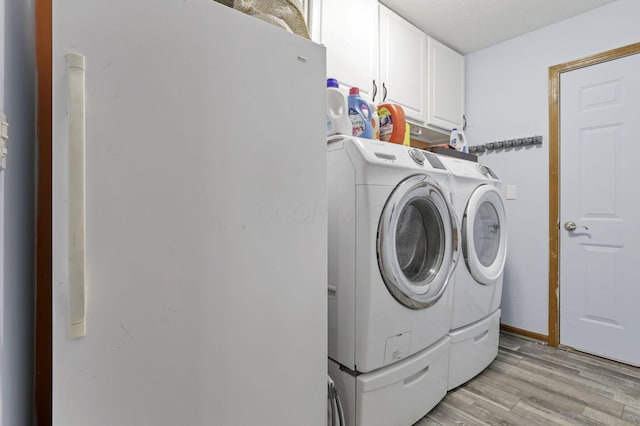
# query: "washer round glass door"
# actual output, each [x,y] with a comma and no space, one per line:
[484,235]
[417,242]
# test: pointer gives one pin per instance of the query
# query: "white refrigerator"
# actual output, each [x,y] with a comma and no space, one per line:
[189,217]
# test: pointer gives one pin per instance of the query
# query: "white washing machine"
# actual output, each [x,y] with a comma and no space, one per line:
[477,287]
[393,247]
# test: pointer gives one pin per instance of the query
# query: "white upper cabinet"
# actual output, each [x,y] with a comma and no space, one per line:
[371,47]
[349,30]
[403,51]
[445,86]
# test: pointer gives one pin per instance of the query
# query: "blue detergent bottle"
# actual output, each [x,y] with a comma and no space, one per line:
[360,115]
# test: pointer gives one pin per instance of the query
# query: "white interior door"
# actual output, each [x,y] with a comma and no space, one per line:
[599,152]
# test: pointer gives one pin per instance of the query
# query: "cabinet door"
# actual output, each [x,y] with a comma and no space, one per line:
[445,86]
[403,49]
[349,30]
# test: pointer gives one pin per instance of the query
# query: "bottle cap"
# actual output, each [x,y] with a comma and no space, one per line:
[354,91]
[332,82]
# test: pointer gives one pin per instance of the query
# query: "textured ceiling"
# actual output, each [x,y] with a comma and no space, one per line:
[470,25]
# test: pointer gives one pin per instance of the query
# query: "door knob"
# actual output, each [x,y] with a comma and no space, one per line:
[571,226]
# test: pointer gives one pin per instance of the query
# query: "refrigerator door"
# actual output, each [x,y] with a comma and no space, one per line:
[205,259]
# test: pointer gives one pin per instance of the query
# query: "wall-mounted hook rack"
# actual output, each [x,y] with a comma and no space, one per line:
[506,144]
[477,148]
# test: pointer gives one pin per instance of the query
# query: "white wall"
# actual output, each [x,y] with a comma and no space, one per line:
[507,97]
[17,264]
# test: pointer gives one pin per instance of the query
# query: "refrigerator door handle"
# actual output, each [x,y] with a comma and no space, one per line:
[76,111]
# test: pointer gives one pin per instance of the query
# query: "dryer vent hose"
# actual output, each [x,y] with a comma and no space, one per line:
[336,413]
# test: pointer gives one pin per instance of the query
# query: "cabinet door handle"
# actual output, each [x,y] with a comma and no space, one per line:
[384,92]
[375,91]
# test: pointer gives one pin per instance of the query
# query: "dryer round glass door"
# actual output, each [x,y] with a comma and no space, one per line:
[417,242]
[484,235]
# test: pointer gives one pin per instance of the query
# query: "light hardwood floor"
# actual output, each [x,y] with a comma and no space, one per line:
[531,383]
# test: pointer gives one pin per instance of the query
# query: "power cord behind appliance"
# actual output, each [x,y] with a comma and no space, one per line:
[336,413]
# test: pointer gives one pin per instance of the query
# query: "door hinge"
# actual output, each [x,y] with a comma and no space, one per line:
[4,138]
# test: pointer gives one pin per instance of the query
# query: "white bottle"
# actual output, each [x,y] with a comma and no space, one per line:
[458,140]
[338,122]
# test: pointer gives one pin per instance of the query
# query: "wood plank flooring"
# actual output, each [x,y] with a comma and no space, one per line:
[531,383]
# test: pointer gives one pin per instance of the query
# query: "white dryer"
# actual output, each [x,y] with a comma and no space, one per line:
[393,247]
[477,287]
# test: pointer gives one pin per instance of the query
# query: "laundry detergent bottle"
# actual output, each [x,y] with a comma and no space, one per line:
[458,140]
[393,125]
[338,122]
[360,115]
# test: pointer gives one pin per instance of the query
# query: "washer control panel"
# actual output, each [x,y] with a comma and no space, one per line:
[417,156]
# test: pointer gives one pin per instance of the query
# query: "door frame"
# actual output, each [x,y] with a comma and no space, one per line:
[554,172]
[43,307]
